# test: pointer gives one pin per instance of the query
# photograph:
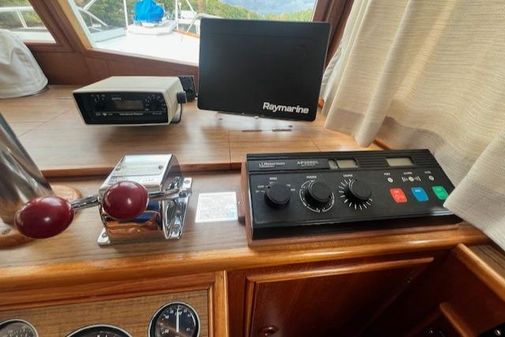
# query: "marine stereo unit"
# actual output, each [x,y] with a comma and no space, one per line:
[131,100]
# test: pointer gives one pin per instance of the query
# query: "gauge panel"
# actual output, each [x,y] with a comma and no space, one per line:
[176,319]
[17,328]
[100,331]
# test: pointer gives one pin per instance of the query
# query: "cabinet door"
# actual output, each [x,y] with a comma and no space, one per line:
[328,301]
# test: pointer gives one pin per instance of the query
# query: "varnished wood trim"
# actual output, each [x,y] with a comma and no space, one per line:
[455,321]
[73,22]
[137,267]
[338,270]
[82,292]
[82,172]
[336,13]
[218,313]
[481,269]
[43,9]
[249,307]
[492,255]
[11,237]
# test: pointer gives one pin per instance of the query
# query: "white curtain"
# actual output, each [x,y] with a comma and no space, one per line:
[429,74]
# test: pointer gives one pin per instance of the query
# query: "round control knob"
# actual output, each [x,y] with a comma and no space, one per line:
[44,217]
[125,200]
[318,194]
[277,195]
[356,193]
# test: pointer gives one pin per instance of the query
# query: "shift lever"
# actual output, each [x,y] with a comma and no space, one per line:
[48,216]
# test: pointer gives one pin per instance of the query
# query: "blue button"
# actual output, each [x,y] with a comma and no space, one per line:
[419,193]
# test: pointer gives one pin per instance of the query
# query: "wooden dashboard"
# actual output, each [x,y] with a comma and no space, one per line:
[345,285]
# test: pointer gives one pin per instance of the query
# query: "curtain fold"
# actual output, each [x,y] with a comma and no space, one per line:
[429,74]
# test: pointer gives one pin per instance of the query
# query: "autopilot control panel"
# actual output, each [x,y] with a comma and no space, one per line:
[303,193]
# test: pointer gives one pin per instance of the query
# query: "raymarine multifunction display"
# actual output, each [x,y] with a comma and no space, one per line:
[264,68]
[131,100]
[305,193]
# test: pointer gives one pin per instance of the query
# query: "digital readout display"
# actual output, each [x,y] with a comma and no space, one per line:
[128,105]
[347,163]
[400,161]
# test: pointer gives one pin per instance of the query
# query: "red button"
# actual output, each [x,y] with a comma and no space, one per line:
[398,196]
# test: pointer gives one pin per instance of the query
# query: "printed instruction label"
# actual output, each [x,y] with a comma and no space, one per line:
[212,207]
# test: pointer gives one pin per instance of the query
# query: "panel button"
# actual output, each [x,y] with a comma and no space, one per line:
[440,192]
[398,196]
[419,193]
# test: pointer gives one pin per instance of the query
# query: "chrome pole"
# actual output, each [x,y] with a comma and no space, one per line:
[20,179]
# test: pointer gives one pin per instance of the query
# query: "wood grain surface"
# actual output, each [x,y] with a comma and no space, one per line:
[51,128]
[335,301]
[452,294]
[204,247]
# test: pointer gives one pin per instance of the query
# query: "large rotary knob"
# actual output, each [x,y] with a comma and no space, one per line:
[318,194]
[356,193]
[277,195]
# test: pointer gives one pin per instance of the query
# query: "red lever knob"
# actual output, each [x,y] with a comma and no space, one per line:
[125,200]
[44,217]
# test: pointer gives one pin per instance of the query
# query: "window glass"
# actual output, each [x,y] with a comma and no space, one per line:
[169,29]
[19,17]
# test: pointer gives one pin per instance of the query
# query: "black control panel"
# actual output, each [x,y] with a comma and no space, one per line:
[122,107]
[307,193]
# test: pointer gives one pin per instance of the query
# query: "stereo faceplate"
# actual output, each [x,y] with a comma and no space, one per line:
[306,193]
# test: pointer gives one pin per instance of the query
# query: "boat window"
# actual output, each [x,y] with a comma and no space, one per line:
[169,29]
[19,17]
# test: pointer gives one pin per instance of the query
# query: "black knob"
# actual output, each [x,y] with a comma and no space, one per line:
[318,194]
[358,191]
[277,195]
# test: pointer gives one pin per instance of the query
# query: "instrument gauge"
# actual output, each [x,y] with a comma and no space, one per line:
[175,319]
[17,328]
[99,331]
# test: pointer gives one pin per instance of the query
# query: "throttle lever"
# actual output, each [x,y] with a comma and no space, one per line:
[48,216]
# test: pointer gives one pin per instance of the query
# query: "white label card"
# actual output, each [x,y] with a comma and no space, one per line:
[214,207]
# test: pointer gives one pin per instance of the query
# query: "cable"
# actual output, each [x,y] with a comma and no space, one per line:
[179,114]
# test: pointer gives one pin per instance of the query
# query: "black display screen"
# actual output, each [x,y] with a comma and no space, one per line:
[262,68]
[128,105]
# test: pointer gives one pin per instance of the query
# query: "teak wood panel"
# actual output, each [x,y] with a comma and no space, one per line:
[466,303]
[338,301]
[131,314]
[256,294]
[51,128]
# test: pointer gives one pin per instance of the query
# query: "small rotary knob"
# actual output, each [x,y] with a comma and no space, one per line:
[277,195]
[318,194]
[356,193]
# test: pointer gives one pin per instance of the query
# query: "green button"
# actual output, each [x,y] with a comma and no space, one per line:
[440,192]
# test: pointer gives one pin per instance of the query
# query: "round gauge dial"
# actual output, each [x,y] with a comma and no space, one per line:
[17,328]
[100,331]
[175,320]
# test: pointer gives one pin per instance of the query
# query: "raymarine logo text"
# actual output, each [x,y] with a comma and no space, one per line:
[285,108]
